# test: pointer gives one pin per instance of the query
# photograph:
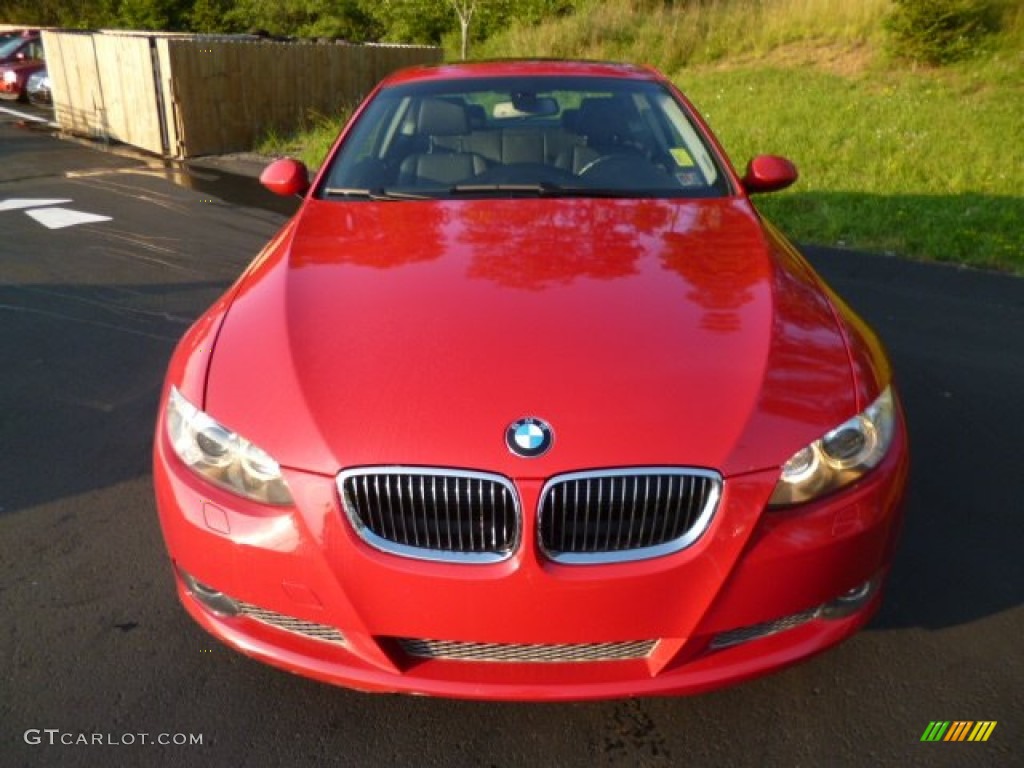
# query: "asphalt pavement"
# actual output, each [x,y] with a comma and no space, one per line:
[104,261]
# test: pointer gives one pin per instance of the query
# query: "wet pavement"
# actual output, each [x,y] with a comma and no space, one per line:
[231,178]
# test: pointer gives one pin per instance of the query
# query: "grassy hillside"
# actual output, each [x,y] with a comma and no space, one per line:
[922,162]
[672,35]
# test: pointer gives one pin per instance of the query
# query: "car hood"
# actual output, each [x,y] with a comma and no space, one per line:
[22,65]
[649,332]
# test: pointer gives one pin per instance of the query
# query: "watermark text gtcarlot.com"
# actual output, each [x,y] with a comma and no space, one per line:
[56,737]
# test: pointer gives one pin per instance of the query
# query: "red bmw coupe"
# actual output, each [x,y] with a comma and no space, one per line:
[528,402]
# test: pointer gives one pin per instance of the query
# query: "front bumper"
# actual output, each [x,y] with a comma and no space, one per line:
[308,575]
[40,96]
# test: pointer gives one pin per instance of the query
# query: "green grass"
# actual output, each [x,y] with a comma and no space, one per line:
[911,163]
[924,163]
[687,33]
[310,142]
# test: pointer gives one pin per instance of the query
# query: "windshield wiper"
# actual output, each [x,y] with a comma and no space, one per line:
[540,189]
[380,194]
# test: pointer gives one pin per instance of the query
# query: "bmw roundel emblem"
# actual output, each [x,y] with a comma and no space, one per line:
[529,437]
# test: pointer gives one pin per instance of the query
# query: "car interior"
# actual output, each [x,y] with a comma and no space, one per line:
[468,142]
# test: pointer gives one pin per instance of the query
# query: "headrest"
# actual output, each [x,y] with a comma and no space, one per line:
[477,115]
[602,119]
[571,120]
[442,118]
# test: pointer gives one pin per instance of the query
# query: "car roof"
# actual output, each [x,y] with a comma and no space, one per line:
[521,67]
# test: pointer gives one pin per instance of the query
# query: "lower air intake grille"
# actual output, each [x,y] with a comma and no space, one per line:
[629,514]
[755,631]
[308,629]
[433,514]
[561,653]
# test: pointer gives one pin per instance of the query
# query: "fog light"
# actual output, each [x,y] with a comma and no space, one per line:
[209,597]
[850,602]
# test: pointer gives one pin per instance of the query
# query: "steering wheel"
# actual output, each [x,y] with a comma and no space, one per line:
[627,171]
[595,163]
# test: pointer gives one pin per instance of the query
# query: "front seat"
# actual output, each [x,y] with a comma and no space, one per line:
[438,120]
[604,122]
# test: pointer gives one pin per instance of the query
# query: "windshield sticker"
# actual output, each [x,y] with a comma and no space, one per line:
[682,157]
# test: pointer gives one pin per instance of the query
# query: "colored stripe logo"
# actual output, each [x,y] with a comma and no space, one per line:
[958,730]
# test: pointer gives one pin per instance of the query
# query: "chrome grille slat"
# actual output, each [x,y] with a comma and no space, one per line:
[664,512]
[458,520]
[448,519]
[423,512]
[690,505]
[565,513]
[534,653]
[645,512]
[626,500]
[480,518]
[433,513]
[586,522]
[628,514]
[383,519]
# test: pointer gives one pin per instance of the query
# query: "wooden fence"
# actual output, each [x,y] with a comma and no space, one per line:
[183,96]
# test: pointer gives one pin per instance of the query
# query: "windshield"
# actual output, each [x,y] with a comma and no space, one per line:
[9,46]
[515,136]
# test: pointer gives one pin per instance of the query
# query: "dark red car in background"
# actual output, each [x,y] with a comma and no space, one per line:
[21,56]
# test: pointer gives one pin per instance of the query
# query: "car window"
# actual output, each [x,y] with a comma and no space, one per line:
[10,47]
[517,135]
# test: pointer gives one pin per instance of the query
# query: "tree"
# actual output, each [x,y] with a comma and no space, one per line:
[406,21]
[941,31]
[210,16]
[427,21]
[464,9]
[411,21]
[490,16]
[346,19]
[152,14]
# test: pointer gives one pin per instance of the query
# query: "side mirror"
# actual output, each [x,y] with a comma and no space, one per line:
[286,177]
[767,173]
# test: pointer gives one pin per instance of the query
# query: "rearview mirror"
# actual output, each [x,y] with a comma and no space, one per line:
[286,177]
[525,105]
[767,173]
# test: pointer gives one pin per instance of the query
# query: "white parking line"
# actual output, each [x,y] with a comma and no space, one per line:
[28,116]
[58,218]
[50,214]
[18,203]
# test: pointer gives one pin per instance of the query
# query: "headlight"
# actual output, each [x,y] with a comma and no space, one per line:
[840,457]
[222,456]
[10,76]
